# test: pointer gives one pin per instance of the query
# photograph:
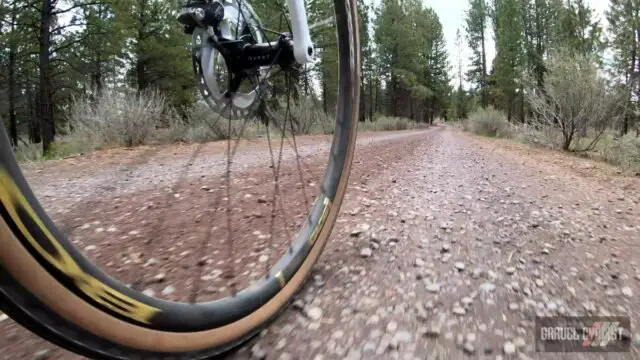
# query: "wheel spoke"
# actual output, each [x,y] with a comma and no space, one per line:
[230,257]
[316,66]
[277,196]
[238,19]
[230,155]
[283,15]
[148,249]
[295,148]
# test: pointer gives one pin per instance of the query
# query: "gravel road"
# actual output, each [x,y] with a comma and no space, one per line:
[448,246]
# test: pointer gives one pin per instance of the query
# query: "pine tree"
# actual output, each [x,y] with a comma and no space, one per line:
[366,59]
[577,31]
[476,28]
[458,96]
[508,63]
[436,67]
[624,28]
[413,60]
[159,57]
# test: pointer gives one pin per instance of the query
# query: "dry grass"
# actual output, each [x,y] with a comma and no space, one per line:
[28,153]
[622,152]
[123,118]
[202,125]
[390,123]
[126,118]
[545,136]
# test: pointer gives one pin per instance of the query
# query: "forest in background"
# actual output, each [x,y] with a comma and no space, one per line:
[529,34]
[561,77]
[57,54]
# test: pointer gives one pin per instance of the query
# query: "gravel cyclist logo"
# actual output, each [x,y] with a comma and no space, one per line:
[583,334]
[601,333]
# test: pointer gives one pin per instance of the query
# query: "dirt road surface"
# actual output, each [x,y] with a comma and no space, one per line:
[469,239]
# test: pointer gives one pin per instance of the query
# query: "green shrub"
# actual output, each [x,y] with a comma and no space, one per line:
[576,100]
[624,152]
[489,122]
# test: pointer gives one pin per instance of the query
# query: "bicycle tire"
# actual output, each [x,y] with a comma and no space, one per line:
[50,288]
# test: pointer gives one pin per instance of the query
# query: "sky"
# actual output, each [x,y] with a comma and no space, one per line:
[451,14]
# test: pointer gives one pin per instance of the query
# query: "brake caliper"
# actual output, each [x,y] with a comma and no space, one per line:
[201,13]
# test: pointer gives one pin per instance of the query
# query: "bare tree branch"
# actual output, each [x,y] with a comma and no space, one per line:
[62,27]
[77,6]
[65,45]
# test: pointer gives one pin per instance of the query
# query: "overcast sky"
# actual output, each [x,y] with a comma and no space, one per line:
[452,12]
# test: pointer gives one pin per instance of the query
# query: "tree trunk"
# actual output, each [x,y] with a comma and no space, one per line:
[539,66]
[632,78]
[411,108]
[363,104]
[434,110]
[370,98]
[13,124]
[140,74]
[141,78]
[377,99]
[484,93]
[97,75]
[45,106]
[522,105]
[394,108]
[395,96]
[324,97]
[34,120]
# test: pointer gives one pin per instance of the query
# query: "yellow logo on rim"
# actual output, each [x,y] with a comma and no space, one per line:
[323,217]
[13,200]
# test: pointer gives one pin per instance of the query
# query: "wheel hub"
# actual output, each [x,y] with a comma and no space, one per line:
[230,55]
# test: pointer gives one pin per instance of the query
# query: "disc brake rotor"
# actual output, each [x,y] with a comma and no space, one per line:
[210,67]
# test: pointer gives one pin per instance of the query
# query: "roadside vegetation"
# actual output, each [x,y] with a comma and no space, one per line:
[549,84]
[125,118]
[576,111]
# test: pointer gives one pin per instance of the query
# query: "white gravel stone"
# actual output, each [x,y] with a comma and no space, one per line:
[314,313]
[509,348]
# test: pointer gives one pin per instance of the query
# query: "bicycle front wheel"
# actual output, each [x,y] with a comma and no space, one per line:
[50,287]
